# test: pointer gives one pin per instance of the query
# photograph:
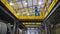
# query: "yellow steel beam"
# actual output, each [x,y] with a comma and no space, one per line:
[28,8]
[29,17]
[51,7]
[31,25]
[9,7]
[42,13]
[18,16]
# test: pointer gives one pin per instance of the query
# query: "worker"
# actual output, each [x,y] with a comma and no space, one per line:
[36,11]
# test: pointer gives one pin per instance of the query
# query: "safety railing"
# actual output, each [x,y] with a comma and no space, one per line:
[50,7]
[18,12]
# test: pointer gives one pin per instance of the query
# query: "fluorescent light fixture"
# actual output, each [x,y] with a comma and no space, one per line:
[40,3]
[25,3]
[11,3]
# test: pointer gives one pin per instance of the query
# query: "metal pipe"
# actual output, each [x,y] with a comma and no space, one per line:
[7,13]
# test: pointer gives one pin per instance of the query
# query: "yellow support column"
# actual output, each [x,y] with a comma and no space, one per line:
[42,12]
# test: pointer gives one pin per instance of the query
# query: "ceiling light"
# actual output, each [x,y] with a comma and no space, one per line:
[40,3]
[11,3]
[26,3]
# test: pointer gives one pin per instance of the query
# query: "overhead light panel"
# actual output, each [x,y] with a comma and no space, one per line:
[40,3]
[25,3]
[11,3]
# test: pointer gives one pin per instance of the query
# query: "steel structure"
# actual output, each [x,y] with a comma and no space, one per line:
[24,9]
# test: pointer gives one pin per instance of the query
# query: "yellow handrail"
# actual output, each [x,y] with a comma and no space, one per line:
[9,7]
[42,15]
[51,7]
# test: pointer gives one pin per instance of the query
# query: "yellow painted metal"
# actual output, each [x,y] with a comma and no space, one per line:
[32,25]
[51,7]
[17,14]
[42,13]
[9,7]
[16,5]
[27,8]
[42,16]
[30,17]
